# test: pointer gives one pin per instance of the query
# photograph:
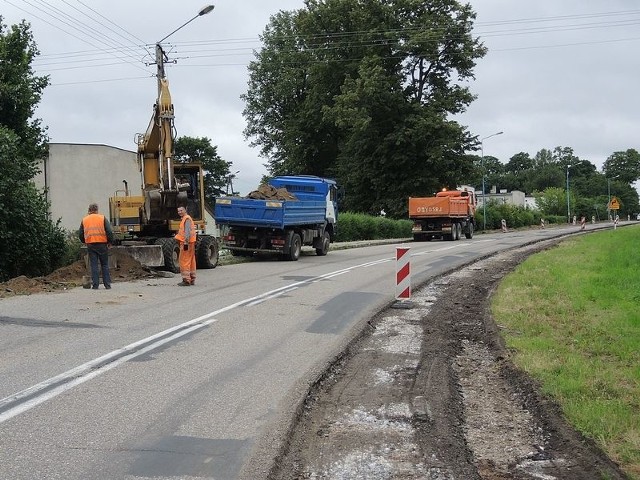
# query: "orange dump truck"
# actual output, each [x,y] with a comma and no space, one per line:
[448,215]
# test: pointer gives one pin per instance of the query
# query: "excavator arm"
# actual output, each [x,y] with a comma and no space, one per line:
[155,146]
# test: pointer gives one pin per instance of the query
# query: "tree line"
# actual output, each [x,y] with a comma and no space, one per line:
[549,173]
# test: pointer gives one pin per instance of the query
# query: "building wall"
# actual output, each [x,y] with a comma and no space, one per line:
[76,175]
[515,197]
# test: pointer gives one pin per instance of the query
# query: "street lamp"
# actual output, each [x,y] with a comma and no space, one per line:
[484,203]
[164,105]
[204,11]
[230,178]
[609,202]
[160,52]
[568,207]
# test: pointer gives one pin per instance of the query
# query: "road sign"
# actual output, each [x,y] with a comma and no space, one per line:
[614,204]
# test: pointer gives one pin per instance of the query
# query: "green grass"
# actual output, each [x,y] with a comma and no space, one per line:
[572,318]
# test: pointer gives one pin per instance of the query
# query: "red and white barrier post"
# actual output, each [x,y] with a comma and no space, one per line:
[403,273]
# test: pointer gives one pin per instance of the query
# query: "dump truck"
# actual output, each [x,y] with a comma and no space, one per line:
[280,217]
[448,215]
[145,224]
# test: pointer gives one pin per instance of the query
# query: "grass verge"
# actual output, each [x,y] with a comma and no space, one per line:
[572,320]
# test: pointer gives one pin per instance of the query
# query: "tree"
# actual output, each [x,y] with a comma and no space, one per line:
[519,163]
[30,243]
[553,201]
[494,173]
[20,93]
[624,166]
[216,170]
[363,90]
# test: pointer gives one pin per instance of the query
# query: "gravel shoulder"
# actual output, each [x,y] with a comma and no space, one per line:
[429,392]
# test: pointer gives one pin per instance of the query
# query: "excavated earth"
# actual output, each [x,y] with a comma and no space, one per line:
[430,392]
[126,269]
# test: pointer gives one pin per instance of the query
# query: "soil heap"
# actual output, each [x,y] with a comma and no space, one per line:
[127,269]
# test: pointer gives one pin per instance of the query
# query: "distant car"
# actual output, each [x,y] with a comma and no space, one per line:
[638,217]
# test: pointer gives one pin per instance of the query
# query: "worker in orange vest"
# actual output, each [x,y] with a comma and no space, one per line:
[186,238]
[95,231]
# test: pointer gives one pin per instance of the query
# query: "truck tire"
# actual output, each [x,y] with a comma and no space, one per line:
[453,236]
[295,247]
[469,231]
[170,252]
[458,231]
[206,252]
[326,240]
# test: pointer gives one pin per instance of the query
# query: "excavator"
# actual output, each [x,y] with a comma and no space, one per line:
[145,224]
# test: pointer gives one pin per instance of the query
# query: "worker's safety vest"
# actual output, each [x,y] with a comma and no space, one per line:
[192,235]
[93,226]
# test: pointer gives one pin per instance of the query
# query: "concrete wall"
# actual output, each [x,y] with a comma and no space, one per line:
[76,175]
[516,198]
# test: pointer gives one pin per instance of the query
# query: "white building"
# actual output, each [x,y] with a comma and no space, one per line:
[515,197]
[75,175]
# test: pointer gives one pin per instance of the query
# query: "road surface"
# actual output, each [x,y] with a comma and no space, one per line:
[150,380]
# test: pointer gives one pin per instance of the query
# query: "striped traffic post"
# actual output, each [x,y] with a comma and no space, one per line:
[403,273]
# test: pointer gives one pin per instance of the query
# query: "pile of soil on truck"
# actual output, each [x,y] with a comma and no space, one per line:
[268,192]
[71,276]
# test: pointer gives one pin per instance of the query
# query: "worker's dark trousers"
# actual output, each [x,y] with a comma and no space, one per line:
[99,258]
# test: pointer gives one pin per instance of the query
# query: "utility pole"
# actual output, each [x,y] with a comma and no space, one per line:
[568,205]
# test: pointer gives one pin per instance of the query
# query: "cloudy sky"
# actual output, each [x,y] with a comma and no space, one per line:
[558,72]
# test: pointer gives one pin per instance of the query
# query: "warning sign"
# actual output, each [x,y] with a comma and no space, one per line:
[614,204]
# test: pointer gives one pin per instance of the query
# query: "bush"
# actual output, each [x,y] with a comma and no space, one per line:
[358,226]
[35,245]
[72,250]
[515,216]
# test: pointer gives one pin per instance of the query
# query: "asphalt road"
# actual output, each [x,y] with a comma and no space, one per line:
[151,380]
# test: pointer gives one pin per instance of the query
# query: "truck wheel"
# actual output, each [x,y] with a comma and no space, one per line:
[326,240]
[295,247]
[170,252]
[469,232]
[458,231]
[452,237]
[206,252]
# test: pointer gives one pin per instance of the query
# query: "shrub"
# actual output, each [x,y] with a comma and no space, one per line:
[358,226]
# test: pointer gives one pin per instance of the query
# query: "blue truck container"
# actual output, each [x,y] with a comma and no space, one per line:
[278,226]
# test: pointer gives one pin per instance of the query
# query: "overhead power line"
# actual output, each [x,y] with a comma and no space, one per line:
[116,42]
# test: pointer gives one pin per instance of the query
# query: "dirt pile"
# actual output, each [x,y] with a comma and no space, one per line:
[127,269]
[268,192]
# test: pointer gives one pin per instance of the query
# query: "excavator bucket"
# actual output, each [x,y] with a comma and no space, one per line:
[148,255]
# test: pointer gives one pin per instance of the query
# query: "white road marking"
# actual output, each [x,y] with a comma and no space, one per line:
[35,395]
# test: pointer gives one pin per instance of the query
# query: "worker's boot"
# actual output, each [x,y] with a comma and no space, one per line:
[184,284]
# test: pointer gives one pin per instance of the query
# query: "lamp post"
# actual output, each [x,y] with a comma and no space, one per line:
[230,178]
[484,203]
[164,105]
[204,11]
[609,202]
[568,207]
[160,52]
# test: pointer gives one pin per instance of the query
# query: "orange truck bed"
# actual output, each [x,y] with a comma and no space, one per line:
[444,206]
